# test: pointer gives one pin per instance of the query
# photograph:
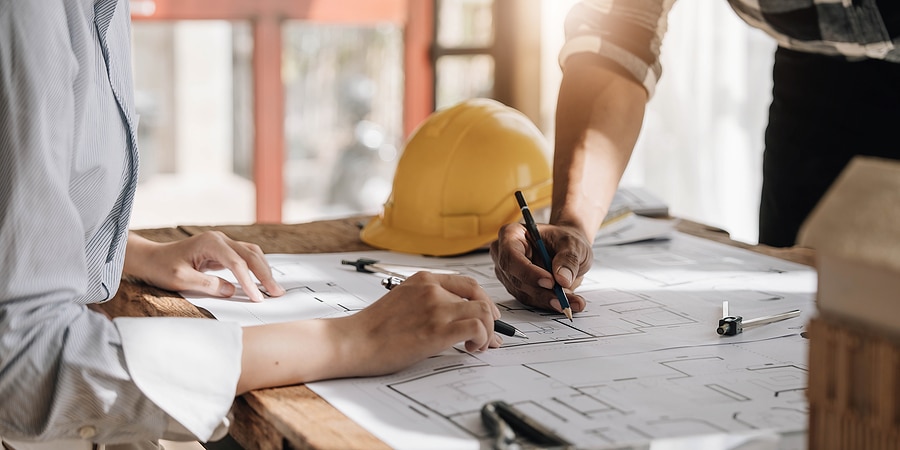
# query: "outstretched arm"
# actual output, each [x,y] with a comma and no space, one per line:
[610,66]
[598,119]
[425,315]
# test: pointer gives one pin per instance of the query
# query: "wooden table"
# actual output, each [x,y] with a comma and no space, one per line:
[294,417]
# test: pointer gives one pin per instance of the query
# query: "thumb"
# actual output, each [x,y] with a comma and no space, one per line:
[566,264]
[565,276]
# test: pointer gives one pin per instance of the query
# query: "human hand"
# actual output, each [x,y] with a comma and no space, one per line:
[180,265]
[521,271]
[425,315]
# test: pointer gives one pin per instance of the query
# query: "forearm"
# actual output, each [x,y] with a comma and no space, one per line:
[598,120]
[383,338]
[310,354]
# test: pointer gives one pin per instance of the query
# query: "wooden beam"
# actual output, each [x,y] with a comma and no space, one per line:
[343,11]
[517,56]
[418,100]
[268,117]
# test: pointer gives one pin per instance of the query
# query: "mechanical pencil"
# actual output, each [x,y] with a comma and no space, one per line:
[499,325]
[545,256]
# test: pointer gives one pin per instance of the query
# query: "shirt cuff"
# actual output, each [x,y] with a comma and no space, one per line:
[645,74]
[188,367]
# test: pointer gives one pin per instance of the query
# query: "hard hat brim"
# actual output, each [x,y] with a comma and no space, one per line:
[377,234]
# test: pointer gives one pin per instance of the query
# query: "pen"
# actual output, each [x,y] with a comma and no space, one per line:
[545,256]
[499,325]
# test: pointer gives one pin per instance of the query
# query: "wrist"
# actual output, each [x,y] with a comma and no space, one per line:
[586,220]
[340,348]
[138,251]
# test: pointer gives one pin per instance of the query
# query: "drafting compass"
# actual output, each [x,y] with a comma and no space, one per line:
[732,325]
[394,270]
[513,430]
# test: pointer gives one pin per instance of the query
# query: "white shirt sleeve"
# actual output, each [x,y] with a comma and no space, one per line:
[187,367]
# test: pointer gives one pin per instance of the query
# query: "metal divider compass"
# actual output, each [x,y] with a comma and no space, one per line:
[732,325]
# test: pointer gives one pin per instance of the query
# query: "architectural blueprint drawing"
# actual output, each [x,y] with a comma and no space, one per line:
[642,363]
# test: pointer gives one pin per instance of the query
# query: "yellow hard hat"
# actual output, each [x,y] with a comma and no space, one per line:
[456,180]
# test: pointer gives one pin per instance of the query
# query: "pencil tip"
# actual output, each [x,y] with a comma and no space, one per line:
[568,313]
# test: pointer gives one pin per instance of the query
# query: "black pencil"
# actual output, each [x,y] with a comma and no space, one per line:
[545,256]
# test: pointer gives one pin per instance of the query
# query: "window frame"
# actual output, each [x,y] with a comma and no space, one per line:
[266,18]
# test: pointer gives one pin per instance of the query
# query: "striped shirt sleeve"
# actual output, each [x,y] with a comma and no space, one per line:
[623,34]
[67,373]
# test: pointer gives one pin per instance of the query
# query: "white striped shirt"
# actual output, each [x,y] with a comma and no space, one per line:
[68,171]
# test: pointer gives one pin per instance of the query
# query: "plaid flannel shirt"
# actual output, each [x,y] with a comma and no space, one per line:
[626,34]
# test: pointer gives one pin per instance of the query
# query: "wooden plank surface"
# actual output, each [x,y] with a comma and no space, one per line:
[304,420]
[294,416]
[329,236]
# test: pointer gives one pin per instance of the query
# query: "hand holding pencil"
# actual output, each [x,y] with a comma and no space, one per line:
[499,325]
[519,263]
[544,256]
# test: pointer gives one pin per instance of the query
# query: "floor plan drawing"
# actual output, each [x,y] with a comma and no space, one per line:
[642,363]
[626,400]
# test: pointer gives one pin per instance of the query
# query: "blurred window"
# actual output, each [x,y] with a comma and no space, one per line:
[343,117]
[357,75]
[464,61]
[193,92]
[204,91]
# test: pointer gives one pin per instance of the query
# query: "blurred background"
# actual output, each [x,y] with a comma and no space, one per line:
[291,111]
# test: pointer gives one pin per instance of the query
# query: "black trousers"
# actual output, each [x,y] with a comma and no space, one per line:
[824,111]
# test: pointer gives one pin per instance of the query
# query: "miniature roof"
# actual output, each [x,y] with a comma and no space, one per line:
[859,217]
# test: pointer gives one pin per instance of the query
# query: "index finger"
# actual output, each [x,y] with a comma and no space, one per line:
[232,260]
[259,265]
[467,288]
[462,286]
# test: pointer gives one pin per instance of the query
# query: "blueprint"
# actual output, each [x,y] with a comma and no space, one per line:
[642,363]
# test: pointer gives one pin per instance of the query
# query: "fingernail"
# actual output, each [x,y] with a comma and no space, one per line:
[555,305]
[545,283]
[566,274]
